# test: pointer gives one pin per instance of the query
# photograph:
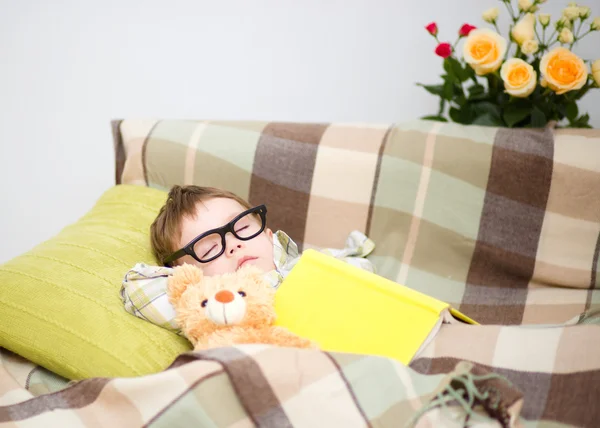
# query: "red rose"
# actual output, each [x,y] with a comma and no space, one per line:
[444,50]
[432,28]
[465,30]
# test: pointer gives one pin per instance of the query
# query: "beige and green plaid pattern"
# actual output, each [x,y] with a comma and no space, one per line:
[256,386]
[554,369]
[503,224]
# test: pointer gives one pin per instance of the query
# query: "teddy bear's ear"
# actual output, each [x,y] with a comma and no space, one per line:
[182,277]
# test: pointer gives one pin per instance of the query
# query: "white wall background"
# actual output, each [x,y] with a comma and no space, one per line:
[67,67]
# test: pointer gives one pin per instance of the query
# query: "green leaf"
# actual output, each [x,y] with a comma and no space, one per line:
[448,89]
[463,115]
[448,68]
[442,106]
[436,118]
[538,118]
[487,119]
[457,69]
[513,115]
[581,122]
[470,72]
[572,111]
[486,107]
[460,100]
[476,89]
[433,89]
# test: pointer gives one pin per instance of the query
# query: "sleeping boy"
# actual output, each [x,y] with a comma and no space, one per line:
[219,232]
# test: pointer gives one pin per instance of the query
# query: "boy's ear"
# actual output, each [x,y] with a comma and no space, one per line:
[269,234]
[183,276]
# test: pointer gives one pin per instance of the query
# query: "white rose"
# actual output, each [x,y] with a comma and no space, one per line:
[565,36]
[544,19]
[563,22]
[524,29]
[595,25]
[491,15]
[571,12]
[525,5]
[584,12]
[519,77]
[530,47]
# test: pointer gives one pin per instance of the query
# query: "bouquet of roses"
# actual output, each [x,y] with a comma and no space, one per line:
[527,79]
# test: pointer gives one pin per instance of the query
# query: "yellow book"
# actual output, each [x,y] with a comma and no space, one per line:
[346,309]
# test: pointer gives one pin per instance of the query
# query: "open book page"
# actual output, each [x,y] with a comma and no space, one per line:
[445,318]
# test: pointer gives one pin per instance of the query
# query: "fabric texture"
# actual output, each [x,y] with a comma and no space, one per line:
[144,288]
[60,306]
[503,224]
[260,386]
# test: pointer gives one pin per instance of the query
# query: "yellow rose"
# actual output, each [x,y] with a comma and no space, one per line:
[529,47]
[595,25]
[491,15]
[565,36]
[596,71]
[519,77]
[484,50]
[524,29]
[563,70]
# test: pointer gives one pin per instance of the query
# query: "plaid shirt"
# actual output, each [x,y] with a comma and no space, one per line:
[144,288]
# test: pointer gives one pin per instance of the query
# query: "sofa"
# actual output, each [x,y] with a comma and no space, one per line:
[503,224]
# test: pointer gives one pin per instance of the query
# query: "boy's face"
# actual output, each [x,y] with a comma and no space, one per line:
[215,213]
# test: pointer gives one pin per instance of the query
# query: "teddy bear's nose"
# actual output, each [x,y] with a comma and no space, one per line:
[224,296]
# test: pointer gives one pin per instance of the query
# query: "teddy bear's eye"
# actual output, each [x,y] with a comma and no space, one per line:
[204,302]
[241,293]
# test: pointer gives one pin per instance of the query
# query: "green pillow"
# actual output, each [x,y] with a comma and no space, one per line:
[60,305]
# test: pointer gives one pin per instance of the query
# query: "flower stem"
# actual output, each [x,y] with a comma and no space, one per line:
[496,26]
[543,36]
[576,33]
[456,42]
[584,34]
[510,11]
[536,33]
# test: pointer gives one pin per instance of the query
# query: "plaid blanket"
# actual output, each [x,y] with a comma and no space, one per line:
[504,224]
[264,386]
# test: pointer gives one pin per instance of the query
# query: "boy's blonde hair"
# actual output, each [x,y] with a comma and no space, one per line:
[181,202]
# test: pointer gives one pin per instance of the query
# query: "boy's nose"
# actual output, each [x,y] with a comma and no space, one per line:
[233,245]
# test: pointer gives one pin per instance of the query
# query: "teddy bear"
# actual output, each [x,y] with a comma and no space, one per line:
[228,309]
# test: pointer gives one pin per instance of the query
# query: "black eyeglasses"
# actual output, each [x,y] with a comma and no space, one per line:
[209,245]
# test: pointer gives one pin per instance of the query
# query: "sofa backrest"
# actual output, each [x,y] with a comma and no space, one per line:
[481,217]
